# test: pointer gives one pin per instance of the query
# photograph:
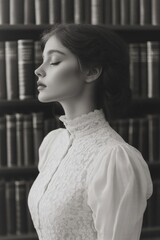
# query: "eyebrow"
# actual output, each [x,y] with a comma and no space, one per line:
[52,51]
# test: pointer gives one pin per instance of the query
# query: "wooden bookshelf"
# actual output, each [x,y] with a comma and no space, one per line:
[139,106]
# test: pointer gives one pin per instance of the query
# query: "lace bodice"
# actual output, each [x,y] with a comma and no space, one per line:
[80,191]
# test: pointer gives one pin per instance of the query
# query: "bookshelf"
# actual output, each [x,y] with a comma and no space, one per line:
[139,106]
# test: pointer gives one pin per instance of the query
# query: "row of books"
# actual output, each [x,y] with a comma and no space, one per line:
[142,133]
[18,130]
[151,215]
[21,135]
[19,59]
[144,69]
[115,12]
[15,217]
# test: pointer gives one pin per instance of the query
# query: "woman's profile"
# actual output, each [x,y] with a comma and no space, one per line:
[92,184]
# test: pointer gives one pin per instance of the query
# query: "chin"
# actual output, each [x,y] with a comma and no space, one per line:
[45,99]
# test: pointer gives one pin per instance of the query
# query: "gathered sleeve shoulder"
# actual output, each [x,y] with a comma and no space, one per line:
[45,146]
[118,193]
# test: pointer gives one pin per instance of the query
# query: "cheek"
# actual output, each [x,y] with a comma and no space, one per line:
[64,78]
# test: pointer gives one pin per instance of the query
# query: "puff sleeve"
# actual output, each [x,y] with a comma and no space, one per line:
[118,193]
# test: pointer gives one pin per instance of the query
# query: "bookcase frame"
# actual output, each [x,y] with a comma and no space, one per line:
[139,106]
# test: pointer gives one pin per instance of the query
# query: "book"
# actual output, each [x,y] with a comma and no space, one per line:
[26,68]
[54,11]
[154,137]
[4,11]
[28,140]
[29,12]
[37,62]
[155,8]
[3,229]
[116,15]
[11,62]
[134,68]
[21,207]
[10,207]
[16,11]
[3,141]
[153,59]
[124,12]
[3,94]
[97,11]
[67,11]
[41,12]
[143,70]
[134,12]
[19,139]
[79,13]
[11,140]
[145,12]
[38,133]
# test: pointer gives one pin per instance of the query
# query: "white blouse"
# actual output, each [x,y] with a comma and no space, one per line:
[92,185]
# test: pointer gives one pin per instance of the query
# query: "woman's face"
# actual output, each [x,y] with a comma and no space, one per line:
[59,73]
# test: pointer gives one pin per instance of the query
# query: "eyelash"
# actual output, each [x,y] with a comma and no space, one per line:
[54,63]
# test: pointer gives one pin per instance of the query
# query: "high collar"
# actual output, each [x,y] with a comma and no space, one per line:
[85,124]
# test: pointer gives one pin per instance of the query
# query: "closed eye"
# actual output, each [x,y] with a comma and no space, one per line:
[56,63]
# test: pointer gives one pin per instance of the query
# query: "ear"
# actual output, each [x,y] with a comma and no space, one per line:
[93,74]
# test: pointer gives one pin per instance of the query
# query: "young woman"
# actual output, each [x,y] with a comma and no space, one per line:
[92,184]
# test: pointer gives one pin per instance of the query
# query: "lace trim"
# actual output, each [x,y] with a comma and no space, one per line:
[85,123]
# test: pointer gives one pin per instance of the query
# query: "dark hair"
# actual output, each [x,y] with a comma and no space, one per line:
[95,45]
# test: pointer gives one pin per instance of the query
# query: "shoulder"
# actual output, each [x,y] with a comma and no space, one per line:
[50,138]
[123,162]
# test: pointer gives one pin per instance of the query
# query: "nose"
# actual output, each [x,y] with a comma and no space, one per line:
[39,72]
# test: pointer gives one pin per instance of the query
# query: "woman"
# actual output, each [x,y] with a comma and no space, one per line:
[92,185]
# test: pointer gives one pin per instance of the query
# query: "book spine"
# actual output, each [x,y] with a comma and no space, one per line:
[29,12]
[38,133]
[21,208]
[19,137]
[79,13]
[123,129]
[26,68]
[97,11]
[3,94]
[4,11]
[28,140]
[143,70]
[30,225]
[41,12]
[54,11]
[116,12]
[37,62]
[11,140]
[16,11]
[134,66]
[134,12]
[124,12]
[3,223]
[3,144]
[145,12]
[11,70]
[10,207]
[87,11]
[143,138]
[153,59]
[133,138]
[67,11]
[155,12]
[107,12]
[153,132]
